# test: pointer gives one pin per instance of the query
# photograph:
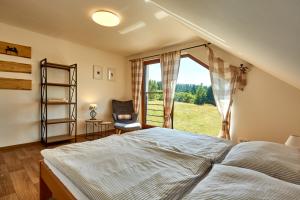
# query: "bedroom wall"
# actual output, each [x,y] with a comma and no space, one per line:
[20,110]
[268,109]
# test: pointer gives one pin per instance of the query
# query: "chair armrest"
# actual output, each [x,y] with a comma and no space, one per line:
[114,115]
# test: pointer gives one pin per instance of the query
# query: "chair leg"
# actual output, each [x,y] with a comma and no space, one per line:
[118,131]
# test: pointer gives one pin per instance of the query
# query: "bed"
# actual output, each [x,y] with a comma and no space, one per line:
[145,164]
[161,163]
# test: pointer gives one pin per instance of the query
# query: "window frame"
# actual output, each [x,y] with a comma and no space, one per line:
[144,112]
[156,61]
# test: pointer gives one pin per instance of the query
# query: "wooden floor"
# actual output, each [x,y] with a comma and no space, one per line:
[19,172]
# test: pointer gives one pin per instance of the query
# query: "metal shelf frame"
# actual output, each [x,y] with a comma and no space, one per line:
[71,105]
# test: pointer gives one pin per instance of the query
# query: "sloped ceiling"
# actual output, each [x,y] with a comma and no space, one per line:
[143,26]
[263,32]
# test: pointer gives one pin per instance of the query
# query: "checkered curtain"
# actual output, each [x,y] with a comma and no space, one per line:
[225,79]
[169,67]
[136,77]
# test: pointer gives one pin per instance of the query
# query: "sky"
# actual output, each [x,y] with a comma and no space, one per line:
[190,72]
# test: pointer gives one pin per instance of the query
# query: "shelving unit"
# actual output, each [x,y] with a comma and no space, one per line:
[71,104]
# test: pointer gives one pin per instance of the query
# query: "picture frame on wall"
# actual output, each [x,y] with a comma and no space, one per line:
[98,72]
[111,74]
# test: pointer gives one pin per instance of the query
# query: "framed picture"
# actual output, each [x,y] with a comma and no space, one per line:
[98,72]
[111,74]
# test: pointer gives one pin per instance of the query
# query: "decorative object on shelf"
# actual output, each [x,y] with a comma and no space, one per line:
[15,84]
[70,102]
[93,113]
[293,141]
[111,73]
[15,49]
[11,49]
[98,72]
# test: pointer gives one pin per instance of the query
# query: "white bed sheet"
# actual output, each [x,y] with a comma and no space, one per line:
[67,182]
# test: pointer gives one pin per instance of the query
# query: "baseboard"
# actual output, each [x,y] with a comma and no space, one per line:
[12,147]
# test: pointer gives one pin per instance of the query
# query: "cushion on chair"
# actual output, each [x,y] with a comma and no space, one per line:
[124,116]
[132,126]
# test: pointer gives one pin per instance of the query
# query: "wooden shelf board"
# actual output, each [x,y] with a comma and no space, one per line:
[59,84]
[59,103]
[58,121]
[59,138]
[15,84]
[58,66]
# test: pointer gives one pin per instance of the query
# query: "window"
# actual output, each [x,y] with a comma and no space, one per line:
[194,106]
[153,95]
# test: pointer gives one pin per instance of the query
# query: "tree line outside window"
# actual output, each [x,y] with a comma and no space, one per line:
[187,93]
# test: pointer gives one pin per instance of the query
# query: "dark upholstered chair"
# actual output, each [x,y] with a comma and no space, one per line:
[124,116]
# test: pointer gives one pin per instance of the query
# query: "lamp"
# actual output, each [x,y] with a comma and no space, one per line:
[93,113]
[293,141]
[106,18]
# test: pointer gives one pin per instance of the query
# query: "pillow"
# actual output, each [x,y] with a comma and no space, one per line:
[124,117]
[227,183]
[276,160]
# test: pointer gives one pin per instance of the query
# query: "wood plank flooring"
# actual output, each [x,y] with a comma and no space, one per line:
[19,172]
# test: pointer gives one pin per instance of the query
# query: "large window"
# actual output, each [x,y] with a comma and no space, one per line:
[153,96]
[194,107]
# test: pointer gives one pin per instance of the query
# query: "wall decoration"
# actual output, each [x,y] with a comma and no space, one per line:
[111,74]
[98,72]
[6,66]
[15,84]
[15,49]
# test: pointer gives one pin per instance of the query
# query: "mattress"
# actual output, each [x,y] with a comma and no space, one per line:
[75,191]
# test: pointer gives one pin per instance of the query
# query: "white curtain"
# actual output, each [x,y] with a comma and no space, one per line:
[170,63]
[225,78]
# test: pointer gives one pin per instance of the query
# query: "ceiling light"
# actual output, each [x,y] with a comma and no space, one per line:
[106,18]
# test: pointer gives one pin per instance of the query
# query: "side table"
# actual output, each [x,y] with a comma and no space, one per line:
[105,128]
[95,123]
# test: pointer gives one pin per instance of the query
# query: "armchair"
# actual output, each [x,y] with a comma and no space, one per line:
[124,116]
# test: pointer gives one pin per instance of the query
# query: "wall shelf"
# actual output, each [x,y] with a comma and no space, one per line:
[60,138]
[59,84]
[71,105]
[58,103]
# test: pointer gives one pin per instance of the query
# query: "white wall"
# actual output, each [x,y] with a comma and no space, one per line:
[268,109]
[20,110]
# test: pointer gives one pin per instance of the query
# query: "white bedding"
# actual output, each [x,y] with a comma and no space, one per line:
[233,183]
[212,148]
[124,167]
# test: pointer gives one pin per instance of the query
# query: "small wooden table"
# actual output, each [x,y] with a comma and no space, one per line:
[100,128]
[94,123]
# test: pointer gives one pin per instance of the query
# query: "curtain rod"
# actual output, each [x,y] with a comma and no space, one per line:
[200,45]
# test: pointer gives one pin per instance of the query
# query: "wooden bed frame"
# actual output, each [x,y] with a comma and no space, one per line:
[51,186]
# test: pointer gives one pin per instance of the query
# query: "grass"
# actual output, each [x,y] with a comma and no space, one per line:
[204,119]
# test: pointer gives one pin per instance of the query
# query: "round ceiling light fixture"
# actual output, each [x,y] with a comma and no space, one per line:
[106,18]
